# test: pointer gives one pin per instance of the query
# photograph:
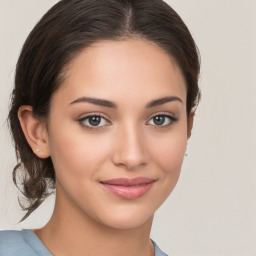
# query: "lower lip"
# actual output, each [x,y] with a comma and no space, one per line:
[128,192]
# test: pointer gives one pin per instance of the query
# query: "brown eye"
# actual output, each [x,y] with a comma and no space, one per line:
[93,121]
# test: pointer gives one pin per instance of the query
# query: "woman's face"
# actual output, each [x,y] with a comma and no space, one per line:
[117,132]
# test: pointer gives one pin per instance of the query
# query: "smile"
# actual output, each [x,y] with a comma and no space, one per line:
[128,188]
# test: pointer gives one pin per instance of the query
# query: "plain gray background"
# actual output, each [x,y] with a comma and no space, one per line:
[212,211]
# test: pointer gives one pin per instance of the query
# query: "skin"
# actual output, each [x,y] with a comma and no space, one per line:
[127,143]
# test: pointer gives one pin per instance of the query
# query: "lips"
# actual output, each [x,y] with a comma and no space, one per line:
[128,188]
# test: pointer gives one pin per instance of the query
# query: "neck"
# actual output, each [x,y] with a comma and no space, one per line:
[71,232]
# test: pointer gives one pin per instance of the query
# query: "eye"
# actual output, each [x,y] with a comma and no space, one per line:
[93,121]
[162,120]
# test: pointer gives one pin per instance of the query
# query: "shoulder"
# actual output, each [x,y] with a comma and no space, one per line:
[12,243]
[158,251]
[10,238]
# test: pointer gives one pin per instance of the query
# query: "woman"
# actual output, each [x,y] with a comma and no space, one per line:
[103,105]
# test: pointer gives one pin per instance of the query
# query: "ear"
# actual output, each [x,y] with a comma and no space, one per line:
[35,131]
[190,124]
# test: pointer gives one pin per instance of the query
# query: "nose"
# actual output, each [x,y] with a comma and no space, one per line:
[129,149]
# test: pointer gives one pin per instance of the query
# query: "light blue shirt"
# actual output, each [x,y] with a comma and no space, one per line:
[27,243]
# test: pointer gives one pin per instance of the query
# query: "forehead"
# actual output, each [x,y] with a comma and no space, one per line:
[110,69]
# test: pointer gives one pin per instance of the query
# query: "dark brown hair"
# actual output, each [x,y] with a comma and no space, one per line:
[62,33]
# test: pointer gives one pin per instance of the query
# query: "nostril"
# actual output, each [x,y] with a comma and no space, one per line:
[129,161]
[129,151]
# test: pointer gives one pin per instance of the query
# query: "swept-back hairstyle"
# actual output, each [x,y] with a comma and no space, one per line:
[62,33]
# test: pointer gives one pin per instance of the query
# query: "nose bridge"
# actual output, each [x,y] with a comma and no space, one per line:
[130,151]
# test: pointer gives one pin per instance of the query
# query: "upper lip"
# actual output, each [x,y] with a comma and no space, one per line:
[128,182]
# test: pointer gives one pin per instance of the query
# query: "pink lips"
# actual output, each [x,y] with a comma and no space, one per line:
[128,188]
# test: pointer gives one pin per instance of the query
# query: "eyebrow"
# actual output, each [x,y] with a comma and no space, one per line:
[110,104]
[161,101]
[95,101]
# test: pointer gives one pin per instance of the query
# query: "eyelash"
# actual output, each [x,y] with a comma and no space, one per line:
[91,127]
[171,121]
[82,121]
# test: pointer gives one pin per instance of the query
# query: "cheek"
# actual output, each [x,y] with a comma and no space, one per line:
[169,152]
[75,154]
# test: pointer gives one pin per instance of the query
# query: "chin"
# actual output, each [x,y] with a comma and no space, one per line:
[127,218]
[129,223]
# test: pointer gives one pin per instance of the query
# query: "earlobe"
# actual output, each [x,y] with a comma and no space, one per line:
[190,124]
[35,131]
